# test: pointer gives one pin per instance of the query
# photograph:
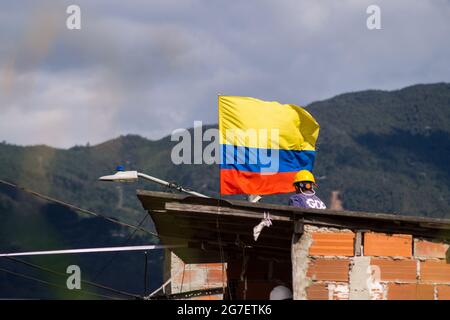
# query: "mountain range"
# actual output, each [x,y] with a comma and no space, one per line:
[381,151]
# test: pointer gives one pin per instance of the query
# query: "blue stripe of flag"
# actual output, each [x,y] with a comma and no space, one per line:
[255,159]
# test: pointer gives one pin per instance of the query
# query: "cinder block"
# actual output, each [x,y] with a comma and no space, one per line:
[443,292]
[435,271]
[194,279]
[216,266]
[332,244]
[396,270]
[427,249]
[338,291]
[216,277]
[323,291]
[317,291]
[187,277]
[380,244]
[410,291]
[329,269]
[211,297]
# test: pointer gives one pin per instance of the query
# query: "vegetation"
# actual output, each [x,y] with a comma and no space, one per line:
[384,152]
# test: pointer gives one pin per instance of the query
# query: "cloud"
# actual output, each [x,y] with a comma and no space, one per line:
[149,67]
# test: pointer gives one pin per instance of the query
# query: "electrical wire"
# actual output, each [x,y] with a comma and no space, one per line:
[55,285]
[85,211]
[163,285]
[182,277]
[109,262]
[221,251]
[73,207]
[90,283]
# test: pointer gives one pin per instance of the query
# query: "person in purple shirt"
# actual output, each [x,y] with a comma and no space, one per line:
[305,196]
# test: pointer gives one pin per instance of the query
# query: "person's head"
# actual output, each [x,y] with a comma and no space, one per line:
[304,182]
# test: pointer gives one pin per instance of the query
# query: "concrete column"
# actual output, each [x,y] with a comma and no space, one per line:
[360,277]
[300,261]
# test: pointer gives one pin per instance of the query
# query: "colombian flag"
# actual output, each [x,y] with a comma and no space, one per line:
[263,144]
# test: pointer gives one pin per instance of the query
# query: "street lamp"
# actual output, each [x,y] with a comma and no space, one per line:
[132,176]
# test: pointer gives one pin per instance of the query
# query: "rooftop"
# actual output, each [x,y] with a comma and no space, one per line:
[214,227]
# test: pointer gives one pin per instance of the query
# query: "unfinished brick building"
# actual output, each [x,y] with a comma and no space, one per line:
[319,254]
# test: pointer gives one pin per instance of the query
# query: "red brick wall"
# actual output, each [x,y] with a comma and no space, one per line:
[379,244]
[189,277]
[402,266]
[330,258]
[260,277]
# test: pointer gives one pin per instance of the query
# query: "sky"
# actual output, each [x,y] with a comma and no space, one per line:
[149,67]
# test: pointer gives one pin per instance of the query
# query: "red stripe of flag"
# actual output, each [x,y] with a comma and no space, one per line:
[244,182]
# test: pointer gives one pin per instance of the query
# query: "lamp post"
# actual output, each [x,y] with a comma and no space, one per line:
[132,176]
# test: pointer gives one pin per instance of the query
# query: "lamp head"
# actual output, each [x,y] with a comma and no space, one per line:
[121,176]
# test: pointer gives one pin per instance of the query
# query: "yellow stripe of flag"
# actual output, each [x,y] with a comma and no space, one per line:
[298,130]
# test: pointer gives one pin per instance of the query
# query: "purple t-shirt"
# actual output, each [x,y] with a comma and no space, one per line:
[309,201]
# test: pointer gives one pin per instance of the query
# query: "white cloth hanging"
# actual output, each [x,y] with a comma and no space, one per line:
[265,222]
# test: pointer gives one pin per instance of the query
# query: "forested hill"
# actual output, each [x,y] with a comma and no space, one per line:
[384,151]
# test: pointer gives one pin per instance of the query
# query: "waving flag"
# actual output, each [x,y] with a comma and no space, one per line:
[263,144]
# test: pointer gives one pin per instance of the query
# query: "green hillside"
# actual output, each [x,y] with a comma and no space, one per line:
[384,151]
[387,151]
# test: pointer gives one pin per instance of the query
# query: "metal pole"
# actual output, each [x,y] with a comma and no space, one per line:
[171,185]
[145,273]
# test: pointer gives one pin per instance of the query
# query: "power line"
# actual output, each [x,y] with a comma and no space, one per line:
[53,284]
[221,251]
[73,207]
[35,266]
[85,211]
[91,250]
[107,264]
[164,284]
[145,273]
